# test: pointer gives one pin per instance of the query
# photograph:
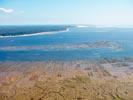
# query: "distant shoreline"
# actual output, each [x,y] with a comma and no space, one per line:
[33,34]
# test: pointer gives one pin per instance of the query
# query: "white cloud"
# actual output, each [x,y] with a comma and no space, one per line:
[8,11]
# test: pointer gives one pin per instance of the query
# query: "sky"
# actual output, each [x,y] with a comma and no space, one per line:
[91,12]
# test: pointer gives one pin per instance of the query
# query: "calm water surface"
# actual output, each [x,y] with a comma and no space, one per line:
[77,43]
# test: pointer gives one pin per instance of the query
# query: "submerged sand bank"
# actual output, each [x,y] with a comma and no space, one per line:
[75,80]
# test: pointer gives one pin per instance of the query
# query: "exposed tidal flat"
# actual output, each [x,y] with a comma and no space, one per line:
[60,47]
[108,79]
[83,63]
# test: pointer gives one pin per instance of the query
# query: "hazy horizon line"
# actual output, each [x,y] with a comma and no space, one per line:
[65,24]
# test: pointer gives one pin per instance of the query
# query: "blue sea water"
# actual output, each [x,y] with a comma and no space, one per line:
[64,43]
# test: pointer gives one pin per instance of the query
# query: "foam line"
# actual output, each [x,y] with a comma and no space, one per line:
[40,33]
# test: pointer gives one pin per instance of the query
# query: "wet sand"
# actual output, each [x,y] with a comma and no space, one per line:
[70,80]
